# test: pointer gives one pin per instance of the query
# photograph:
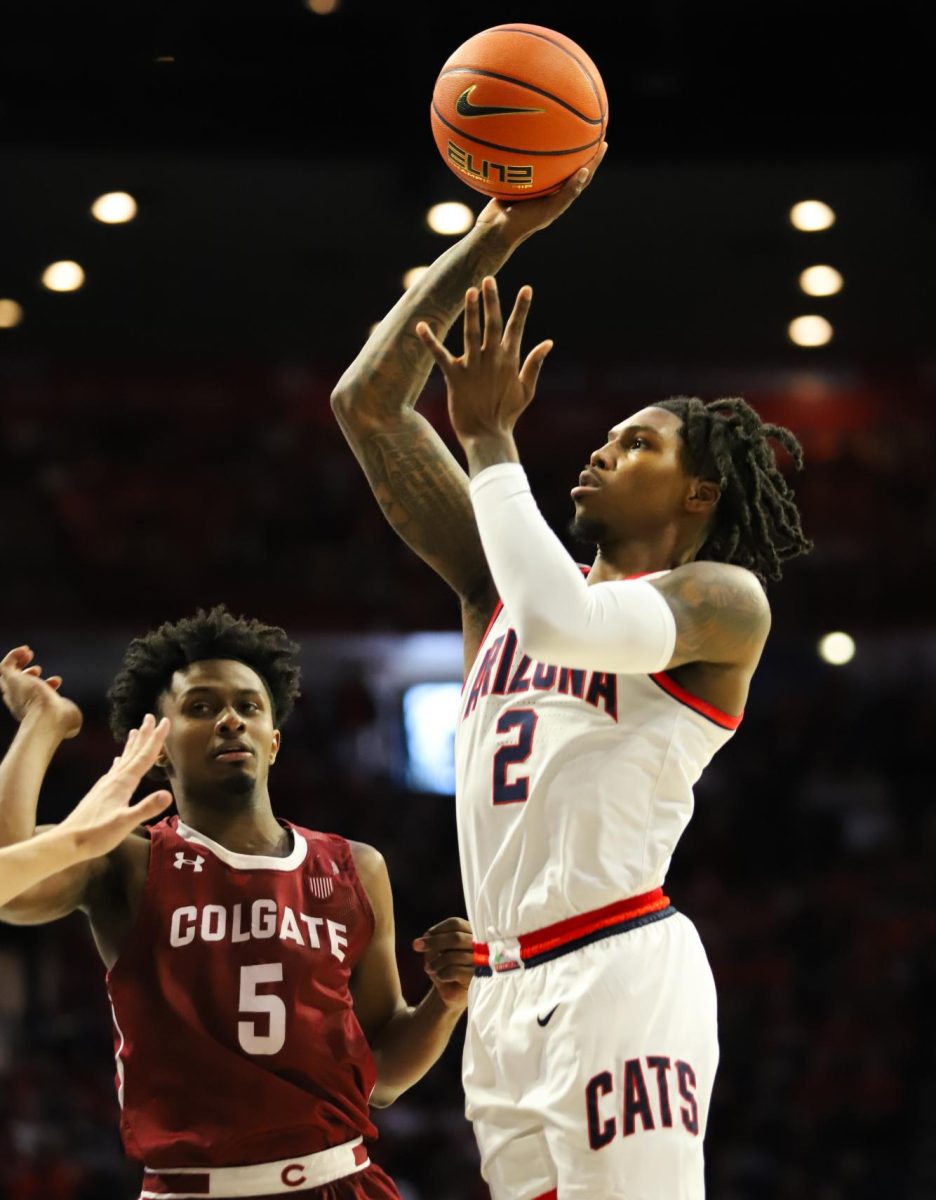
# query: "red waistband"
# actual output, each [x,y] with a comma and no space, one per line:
[542,940]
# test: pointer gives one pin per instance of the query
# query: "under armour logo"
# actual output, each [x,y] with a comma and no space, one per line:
[181,861]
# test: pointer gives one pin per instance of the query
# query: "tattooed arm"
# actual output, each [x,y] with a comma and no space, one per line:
[722,614]
[421,488]
[722,623]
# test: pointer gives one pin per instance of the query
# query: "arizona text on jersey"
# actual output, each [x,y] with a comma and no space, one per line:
[573,786]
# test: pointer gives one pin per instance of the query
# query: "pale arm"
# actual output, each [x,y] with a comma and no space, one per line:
[25,865]
[22,771]
[48,875]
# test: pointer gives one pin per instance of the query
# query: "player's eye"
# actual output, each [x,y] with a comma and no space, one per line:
[199,707]
[250,706]
[638,441]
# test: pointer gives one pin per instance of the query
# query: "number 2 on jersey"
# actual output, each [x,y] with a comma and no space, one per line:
[252,1001]
[516,790]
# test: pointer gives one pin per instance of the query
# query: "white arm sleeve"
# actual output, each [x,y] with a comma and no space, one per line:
[625,627]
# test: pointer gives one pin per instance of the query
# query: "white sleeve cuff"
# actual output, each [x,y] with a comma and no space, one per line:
[510,471]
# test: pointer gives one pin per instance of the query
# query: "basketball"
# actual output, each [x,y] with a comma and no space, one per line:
[517,109]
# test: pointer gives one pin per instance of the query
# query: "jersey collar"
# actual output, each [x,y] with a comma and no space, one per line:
[247,862]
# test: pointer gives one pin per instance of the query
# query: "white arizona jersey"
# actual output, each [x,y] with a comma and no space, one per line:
[573,787]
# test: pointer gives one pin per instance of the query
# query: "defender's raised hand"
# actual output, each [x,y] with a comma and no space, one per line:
[26,693]
[100,822]
[487,387]
[105,816]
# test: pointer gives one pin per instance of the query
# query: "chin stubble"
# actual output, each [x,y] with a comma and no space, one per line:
[239,784]
[588,531]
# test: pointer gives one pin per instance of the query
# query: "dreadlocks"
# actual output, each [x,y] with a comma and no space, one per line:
[152,660]
[757,524]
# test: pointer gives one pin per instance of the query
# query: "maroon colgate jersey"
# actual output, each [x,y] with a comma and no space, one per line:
[235,1036]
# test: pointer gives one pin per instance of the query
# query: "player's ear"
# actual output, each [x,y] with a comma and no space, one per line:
[275,746]
[161,769]
[704,494]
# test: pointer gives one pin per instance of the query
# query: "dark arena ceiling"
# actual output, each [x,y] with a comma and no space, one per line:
[283,163]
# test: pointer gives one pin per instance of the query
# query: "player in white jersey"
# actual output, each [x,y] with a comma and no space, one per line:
[591,706]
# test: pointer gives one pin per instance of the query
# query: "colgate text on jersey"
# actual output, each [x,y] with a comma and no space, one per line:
[263,920]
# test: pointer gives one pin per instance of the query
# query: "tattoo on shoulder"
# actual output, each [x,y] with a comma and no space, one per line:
[722,615]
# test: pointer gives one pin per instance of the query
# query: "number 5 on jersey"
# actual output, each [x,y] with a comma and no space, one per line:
[514,790]
[252,1001]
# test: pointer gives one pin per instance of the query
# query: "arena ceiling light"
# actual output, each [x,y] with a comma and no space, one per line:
[114,208]
[322,8]
[413,275]
[63,276]
[450,218]
[811,216]
[837,648]
[11,314]
[821,281]
[809,331]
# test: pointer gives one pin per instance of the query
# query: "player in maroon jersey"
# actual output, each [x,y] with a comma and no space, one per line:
[250,963]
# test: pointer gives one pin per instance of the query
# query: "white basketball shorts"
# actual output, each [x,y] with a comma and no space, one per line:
[589,1076]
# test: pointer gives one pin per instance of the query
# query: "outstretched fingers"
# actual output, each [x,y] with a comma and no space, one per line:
[16,659]
[35,671]
[493,320]
[152,805]
[530,372]
[472,324]
[143,745]
[513,334]
[442,357]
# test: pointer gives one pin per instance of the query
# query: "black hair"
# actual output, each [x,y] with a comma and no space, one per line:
[756,523]
[152,660]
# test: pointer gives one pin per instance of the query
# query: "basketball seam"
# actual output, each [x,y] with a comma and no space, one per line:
[578,62]
[529,86]
[513,149]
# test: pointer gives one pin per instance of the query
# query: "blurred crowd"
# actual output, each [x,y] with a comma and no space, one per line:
[808,864]
[128,498]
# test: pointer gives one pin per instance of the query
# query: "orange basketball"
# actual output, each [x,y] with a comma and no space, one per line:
[518,109]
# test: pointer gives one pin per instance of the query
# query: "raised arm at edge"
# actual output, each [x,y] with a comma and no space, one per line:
[420,487]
